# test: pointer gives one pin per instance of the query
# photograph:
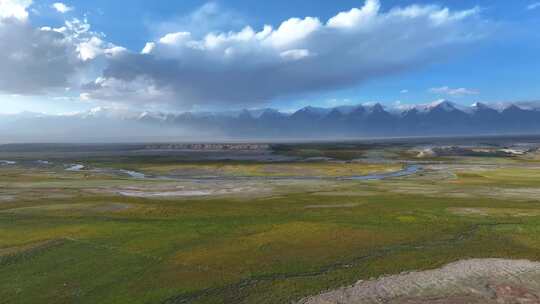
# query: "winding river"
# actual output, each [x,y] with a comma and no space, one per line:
[409,170]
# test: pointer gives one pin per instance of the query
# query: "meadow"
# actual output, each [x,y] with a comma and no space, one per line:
[222,231]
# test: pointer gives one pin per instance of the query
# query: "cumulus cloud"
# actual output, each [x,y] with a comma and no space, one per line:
[61,7]
[148,48]
[40,60]
[94,46]
[14,9]
[187,67]
[356,16]
[445,90]
[301,55]
[32,59]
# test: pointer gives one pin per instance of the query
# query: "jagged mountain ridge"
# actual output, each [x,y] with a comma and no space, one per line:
[439,118]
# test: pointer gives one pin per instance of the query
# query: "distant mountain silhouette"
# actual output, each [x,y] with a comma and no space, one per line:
[439,118]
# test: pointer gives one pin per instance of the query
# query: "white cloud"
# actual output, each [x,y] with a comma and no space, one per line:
[293,31]
[296,54]
[533,6]
[61,7]
[14,9]
[45,60]
[175,38]
[33,60]
[251,67]
[404,91]
[139,89]
[445,90]
[90,49]
[148,48]
[93,47]
[84,96]
[186,67]
[356,17]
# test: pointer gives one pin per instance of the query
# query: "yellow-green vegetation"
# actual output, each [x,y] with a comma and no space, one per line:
[302,169]
[514,176]
[70,237]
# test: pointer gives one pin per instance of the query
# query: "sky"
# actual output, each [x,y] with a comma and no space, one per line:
[72,56]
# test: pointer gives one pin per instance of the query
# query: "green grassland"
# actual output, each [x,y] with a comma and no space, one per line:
[66,238]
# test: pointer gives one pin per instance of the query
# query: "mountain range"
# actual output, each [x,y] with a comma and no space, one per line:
[439,118]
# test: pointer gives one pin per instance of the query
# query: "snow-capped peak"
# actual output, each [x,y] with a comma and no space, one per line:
[442,104]
[146,115]
[480,106]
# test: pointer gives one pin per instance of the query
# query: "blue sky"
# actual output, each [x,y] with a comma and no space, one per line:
[502,62]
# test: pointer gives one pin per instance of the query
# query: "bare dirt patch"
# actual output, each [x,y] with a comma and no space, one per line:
[46,208]
[6,198]
[468,281]
[494,212]
[150,194]
[468,211]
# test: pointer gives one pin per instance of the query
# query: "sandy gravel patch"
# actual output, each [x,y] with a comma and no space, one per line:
[468,281]
[188,190]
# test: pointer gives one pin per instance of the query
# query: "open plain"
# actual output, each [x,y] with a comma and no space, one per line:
[276,223]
